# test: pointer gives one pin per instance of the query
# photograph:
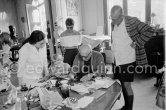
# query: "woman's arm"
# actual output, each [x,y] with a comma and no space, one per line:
[23,56]
[45,68]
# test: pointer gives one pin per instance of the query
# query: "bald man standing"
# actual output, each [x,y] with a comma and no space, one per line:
[128,38]
[88,61]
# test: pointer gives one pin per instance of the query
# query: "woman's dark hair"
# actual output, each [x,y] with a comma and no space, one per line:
[5,39]
[35,37]
[69,22]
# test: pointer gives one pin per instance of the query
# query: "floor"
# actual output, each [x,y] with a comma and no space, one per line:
[144,94]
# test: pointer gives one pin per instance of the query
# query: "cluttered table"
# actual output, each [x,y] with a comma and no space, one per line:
[58,92]
[98,97]
[104,99]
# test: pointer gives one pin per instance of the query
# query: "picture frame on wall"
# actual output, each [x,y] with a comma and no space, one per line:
[72,7]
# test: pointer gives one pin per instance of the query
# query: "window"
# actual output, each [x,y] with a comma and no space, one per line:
[3,15]
[157,12]
[37,16]
[136,8]
[42,12]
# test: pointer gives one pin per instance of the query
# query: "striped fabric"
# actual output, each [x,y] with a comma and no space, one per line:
[140,33]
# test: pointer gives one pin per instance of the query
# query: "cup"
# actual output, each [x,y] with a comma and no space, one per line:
[65,90]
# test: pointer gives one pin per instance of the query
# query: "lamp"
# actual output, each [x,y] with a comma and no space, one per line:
[14,55]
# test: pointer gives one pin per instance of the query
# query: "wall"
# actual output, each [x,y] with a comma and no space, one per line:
[92,15]
[8,15]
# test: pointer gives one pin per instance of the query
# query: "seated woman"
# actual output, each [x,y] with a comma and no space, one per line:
[87,63]
[33,59]
[70,52]
[6,44]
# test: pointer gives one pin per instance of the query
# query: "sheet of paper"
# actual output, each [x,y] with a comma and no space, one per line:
[103,83]
[55,98]
[70,41]
[80,88]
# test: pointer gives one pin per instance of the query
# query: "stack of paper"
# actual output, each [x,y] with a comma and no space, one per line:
[103,83]
[80,88]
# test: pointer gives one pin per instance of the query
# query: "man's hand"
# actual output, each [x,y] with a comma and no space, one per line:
[87,77]
[71,76]
[133,45]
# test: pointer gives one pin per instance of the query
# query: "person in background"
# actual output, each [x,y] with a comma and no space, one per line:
[87,63]
[129,35]
[69,52]
[32,59]
[13,34]
[5,43]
